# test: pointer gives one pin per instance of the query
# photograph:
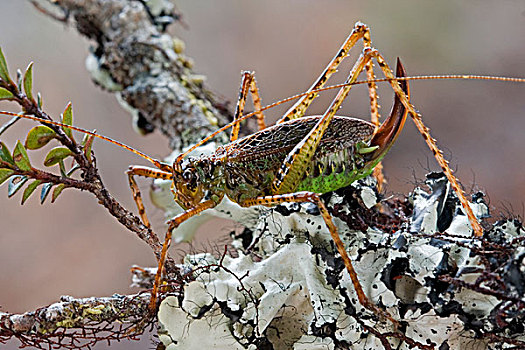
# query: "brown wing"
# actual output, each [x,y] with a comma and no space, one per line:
[277,141]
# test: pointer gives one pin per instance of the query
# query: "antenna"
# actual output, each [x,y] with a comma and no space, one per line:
[156,162]
[162,165]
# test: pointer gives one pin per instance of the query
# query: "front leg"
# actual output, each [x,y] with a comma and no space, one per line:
[137,197]
[172,225]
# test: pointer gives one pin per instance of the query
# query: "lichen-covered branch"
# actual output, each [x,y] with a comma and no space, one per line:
[79,323]
[146,67]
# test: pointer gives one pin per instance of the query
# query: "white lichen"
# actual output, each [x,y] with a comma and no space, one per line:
[100,75]
[293,293]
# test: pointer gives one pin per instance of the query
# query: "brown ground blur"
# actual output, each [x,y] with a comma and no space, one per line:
[74,247]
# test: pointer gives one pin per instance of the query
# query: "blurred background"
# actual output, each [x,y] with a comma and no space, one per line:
[74,247]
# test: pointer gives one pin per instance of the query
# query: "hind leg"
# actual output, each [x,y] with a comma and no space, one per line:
[431,142]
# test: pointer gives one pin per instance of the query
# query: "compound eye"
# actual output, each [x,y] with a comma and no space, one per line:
[188,175]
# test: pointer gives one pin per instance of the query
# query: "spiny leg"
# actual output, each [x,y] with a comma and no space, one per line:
[247,84]
[315,198]
[257,104]
[431,142]
[173,224]
[137,197]
[374,109]
[298,109]
[295,163]
[241,102]
[372,86]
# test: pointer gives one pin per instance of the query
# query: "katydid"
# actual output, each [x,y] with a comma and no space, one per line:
[297,159]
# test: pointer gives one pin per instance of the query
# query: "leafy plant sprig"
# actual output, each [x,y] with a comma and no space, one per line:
[17,169]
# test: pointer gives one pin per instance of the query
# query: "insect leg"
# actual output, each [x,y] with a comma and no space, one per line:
[256,98]
[315,198]
[295,163]
[374,108]
[173,224]
[372,86]
[241,101]
[298,109]
[374,113]
[137,197]
[431,142]
[247,84]
[377,173]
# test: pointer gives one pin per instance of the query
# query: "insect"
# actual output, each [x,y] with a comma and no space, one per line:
[297,159]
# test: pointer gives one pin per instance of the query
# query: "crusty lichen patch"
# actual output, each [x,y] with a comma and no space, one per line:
[287,289]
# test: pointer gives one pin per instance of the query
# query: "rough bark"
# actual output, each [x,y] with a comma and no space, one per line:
[133,56]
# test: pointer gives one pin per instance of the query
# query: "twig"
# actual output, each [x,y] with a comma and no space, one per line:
[7,125]
[91,179]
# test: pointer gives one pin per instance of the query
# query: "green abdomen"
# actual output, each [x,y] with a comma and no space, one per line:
[330,177]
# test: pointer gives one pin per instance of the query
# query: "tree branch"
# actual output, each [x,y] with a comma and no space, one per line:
[77,323]
[134,57]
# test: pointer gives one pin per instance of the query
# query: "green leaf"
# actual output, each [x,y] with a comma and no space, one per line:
[5,94]
[4,73]
[39,136]
[67,118]
[29,190]
[57,191]
[56,155]
[85,139]
[15,183]
[45,191]
[88,145]
[5,155]
[20,157]
[5,174]
[28,81]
